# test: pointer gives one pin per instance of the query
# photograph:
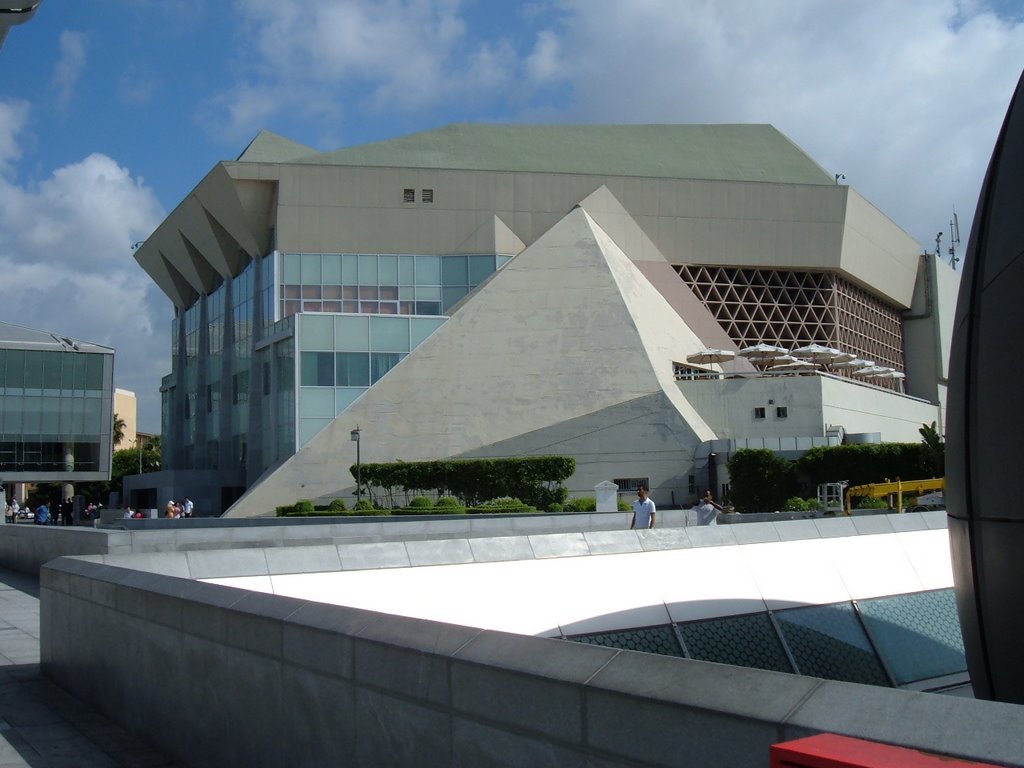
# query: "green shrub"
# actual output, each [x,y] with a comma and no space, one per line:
[421,502]
[556,507]
[581,504]
[796,504]
[363,505]
[623,505]
[501,501]
[285,510]
[512,509]
[304,507]
[867,502]
[761,480]
[868,463]
[446,510]
[447,501]
[337,505]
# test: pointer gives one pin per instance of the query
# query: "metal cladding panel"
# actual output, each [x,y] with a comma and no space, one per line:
[985,420]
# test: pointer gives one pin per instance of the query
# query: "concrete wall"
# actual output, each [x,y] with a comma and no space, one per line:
[25,547]
[233,678]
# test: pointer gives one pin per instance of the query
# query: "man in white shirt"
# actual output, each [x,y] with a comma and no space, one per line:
[643,510]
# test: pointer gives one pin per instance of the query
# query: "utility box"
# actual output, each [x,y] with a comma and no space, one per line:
[607,494]
[829,750]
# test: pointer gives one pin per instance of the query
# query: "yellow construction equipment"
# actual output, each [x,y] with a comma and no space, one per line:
[899,487]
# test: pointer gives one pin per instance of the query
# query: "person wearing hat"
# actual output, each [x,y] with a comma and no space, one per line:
[171,508]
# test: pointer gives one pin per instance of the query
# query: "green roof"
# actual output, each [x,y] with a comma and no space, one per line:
[268,147]
[722,152]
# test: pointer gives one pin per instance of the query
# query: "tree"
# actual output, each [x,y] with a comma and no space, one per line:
[935,449]
[118,429]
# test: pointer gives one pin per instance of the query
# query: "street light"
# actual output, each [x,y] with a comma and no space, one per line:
[359,475]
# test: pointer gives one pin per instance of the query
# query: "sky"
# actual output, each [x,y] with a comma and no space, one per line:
[111,111]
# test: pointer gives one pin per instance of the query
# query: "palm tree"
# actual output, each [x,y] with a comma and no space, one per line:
[118,429]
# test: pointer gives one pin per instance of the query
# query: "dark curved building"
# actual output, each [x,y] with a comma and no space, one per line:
[985,418]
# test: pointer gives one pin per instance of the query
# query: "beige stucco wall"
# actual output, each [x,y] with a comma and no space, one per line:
[126,406]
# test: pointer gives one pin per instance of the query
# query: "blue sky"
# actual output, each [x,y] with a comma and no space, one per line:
[112,110]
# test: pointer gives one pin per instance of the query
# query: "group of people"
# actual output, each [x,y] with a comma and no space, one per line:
[42,514]
[644,510]
[179,509]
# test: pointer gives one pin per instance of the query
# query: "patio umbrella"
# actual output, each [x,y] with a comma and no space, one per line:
[709,356]
[873,370]
[793,364]
[762,353]
[854,364]
[817,353]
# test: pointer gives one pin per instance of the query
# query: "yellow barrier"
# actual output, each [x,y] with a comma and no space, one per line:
[878,490]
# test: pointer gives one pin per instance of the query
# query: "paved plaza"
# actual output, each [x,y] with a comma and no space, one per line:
[41,726]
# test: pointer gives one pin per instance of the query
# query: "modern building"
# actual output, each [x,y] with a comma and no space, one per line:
[495,290]
[13,12]
[56,396]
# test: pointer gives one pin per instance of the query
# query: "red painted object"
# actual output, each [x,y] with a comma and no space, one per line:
[829,750]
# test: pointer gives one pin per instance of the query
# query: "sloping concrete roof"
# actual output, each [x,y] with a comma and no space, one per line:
[269,147]
[30,338]
[722,152]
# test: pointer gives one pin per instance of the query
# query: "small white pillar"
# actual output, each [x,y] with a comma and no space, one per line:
[607,494]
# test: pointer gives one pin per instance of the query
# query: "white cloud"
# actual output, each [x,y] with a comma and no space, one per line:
[67,264]
[69,66]
[13,116]
[905,98]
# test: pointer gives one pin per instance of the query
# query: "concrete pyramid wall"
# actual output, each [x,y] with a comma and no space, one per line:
[568,330]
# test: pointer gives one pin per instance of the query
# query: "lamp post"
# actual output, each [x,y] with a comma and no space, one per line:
[359,475]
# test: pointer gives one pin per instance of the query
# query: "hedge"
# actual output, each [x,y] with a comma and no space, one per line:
[536,480]
[867,463]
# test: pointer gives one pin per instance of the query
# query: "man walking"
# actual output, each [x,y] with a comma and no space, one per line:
[643,510]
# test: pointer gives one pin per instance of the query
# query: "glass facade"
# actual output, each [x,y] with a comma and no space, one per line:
[55,411]
[270,357]
[888,641]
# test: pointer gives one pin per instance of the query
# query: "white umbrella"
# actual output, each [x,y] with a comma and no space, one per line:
[872,371]
[817,353]
[792,364]
[709,356]
[855,363]
[890,375]
[762,353]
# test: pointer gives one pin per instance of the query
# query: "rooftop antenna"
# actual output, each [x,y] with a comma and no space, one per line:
[954,239]
[840,176]
[938,246]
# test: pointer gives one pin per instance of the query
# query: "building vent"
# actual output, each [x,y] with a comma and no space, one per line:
[408,195]
[427,195]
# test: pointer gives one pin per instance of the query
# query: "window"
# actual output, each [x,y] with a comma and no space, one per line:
[427,195]
[631,483]
[240,387]
[759,413]
[782,412]
[408,195]
[317,369]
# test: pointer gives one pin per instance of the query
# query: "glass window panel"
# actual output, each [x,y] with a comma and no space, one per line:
[332,306]
[368,269]
[407,307]
[94,372]
[332,291]
[388,308]
[350,292]
[67,373]
[50,424]
[428,270]
[308,429]
[452,296]
[291,268]
[353,369]
[317,369]
[406,270]
[503,260]
[343,398]
[428,308]
[13,408]
[311,292]
[368,307]
[420,329]
[317,403]
[32,417]
[332,269]
[93,416]
[387,269]
[15,376]
[382,362]
[917,635]
[454,271]
[311,268]
[480,268]
[828,641]
[52,369]
[369,292]
[350,306]
[290,308]
[316,332]
[312,306]
[349,269]
[34,369]
[661,640]
[428,293]
[389,293]
[291,291]
[406,292]
[745,641]
[389,334]
[352,333]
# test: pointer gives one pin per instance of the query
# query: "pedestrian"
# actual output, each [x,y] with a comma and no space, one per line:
[187,507]
[707,509]
[171,508]
[643,509]
[42,514]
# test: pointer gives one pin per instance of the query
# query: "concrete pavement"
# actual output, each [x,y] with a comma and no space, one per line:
[42,726]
